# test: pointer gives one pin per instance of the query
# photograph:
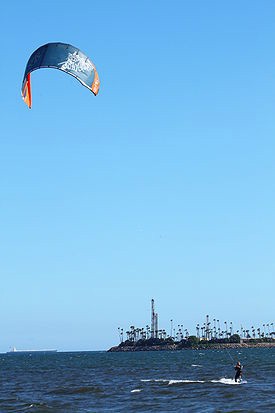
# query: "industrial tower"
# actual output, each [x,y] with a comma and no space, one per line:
[154,320]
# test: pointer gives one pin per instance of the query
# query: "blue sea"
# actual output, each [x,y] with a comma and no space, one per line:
[179,381]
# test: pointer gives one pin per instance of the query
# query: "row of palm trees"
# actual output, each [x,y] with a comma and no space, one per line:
[215,330]
[219,330]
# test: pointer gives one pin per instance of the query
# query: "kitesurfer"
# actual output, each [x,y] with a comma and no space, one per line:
[238,369]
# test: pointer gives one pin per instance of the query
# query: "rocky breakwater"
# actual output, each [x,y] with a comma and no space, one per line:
[192,343]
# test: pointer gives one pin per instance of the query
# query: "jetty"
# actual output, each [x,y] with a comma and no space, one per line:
[212,334]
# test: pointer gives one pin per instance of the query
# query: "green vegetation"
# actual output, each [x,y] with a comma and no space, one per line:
[190,342]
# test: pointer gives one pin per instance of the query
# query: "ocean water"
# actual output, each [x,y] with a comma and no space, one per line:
[181,381]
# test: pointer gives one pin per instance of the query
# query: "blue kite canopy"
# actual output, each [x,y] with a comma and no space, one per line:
[63,57]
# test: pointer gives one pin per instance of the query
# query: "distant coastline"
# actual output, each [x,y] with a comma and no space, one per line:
[124,347]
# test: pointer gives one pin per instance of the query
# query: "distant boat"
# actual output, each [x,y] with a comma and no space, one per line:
[14,350]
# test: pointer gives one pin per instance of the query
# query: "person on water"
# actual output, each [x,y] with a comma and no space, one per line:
[238,374]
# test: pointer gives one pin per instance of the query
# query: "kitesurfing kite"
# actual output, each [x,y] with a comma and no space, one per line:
[64,57]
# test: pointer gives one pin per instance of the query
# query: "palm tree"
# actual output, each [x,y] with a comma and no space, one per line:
[272,331]
[225,328]
[215,332]
[147,331]
[142,333]
[198,331]
[132,333]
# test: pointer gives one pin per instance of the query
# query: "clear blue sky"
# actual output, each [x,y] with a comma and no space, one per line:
[162,186]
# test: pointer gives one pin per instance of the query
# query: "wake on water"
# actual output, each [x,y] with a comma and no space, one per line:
[223,380]
[229,381]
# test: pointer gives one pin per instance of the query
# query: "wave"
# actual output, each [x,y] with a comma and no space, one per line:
[77,390]
[26,407]
[195,365]
[136,391]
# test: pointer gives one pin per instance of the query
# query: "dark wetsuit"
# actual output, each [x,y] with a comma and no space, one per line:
[238,374]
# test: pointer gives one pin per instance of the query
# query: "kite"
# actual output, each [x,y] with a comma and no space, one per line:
[63,57]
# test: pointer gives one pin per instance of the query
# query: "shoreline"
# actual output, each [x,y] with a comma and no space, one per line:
[176,347]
